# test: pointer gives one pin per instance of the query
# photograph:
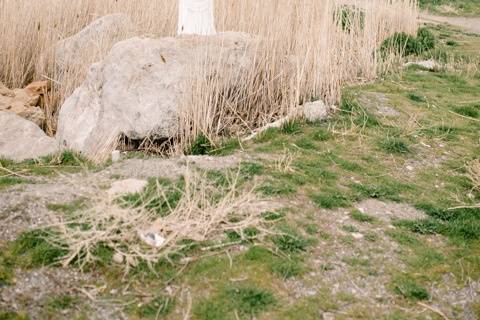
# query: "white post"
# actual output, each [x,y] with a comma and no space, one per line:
[196,17]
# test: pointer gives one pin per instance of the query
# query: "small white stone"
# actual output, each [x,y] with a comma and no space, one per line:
[116,156]
[310,293]
[118,258]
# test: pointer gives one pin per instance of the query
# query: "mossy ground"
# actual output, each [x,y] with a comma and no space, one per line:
[331,257]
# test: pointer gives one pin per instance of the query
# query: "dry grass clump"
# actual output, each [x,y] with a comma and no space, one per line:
[473,171]
[204,213]
[307,49]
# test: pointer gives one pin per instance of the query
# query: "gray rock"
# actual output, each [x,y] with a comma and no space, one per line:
[21,139]
[138,88]
[102,32]
[427,64]
[315,111]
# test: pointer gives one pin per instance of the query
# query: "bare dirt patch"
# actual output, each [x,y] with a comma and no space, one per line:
[378,103]
[388,211]
[470,24]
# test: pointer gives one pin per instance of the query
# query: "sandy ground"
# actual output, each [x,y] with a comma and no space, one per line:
[469,24]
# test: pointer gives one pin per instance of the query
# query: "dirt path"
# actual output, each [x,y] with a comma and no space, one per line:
[470,24]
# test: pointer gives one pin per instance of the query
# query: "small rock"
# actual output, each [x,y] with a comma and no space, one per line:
[315,111]
[427,64]
[118,258]
[127,186]
[357,235]
[25,102]
[310,293]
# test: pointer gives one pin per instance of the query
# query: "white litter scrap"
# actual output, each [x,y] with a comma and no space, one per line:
[152,239]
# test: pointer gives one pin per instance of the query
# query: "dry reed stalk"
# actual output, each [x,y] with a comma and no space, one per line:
[304,52]
[473,171]
[284,163]
[203,213]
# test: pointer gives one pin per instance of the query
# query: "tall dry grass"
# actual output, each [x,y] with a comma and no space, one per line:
[305,52]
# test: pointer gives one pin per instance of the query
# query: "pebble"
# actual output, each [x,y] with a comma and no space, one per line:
[357,235]
[118,258]
[328,316]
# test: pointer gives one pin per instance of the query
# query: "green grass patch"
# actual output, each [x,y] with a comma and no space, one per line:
[462,223]
[291,127]
[331,199]
[33,249]
[472,111]
[159,202]
[276,188]
[443,132]
[290,242]
[359,216]
[155,308]
[410,289]
[11,315]
[415,97]
[68,208]
[62,302]
[393,145]
[349,228]
[267,135]
[11,181]
[321,135]
[406,45]
[202,145]
[244,301]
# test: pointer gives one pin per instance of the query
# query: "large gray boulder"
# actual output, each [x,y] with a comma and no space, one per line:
[98,36]
[138,88]
[21,139]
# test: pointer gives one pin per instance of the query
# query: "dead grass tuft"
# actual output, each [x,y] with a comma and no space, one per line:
[203,214]
[473,171]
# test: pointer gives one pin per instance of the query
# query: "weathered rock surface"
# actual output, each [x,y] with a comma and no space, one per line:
[21,139]
[138,88]
[24,102]
[102,32]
